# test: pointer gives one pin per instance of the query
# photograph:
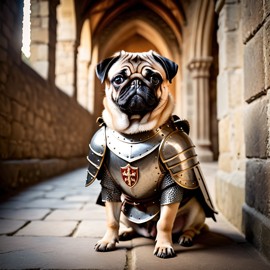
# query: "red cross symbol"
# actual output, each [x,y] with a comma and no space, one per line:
[130,175]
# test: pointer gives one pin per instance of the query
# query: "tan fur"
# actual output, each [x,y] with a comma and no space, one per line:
[119,121]
[188,219]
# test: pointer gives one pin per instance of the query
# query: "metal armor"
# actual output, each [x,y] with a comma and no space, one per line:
[142,165]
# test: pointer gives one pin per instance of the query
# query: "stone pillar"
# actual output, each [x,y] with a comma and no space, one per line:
[66,48]
[199,69]
[64,78]
[230,179]
[82,86]
[40,37]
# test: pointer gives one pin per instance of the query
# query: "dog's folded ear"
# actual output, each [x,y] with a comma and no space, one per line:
[103,67]
[169,66]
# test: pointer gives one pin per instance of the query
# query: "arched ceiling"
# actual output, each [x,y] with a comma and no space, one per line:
[111,16]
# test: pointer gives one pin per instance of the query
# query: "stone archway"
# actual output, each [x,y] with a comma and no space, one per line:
[181,32]
[66,47]
[84,78]
[199,67]
[139,25]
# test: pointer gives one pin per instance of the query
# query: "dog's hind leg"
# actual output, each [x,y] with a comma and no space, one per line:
[192,218]
[126,231]
[109,240]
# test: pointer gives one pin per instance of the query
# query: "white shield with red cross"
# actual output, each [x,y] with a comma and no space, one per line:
[130,175]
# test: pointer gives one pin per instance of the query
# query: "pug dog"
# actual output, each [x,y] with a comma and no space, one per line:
[151,180]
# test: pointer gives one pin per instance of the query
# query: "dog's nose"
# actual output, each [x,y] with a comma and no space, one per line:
[136,83]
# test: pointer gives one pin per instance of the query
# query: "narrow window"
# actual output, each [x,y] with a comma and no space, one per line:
[26,40]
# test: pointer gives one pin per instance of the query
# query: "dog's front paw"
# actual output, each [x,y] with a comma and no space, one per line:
[104,245]
[164,251]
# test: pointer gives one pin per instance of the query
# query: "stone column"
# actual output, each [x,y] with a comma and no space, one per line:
[65,75]
[40,37]
[199,69]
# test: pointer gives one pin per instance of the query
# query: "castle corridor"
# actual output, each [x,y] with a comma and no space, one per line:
[50,96]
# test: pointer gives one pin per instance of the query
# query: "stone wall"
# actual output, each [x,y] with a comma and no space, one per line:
[256,37]
[43,132]
[230,180]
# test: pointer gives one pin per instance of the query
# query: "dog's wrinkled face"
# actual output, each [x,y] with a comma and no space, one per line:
[136,86]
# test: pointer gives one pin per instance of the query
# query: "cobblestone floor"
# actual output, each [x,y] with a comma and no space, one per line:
[55,225]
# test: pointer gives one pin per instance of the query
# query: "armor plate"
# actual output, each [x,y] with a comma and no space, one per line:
[132,160]
[147,167]
[96,155]
[136,146]
[177,153]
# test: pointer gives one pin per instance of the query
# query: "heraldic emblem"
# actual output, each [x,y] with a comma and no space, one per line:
[130,175]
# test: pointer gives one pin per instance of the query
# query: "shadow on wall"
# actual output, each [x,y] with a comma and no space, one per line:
[45,132]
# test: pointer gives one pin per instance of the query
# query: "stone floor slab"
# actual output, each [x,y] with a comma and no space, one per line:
[10,226]
[78,198]
[57,194]
[91,228]
[53,204]
[90,214]
[28,195]
[57,253]
[24,214]
[46,186]
[211,251]
[223,247]
[48,228]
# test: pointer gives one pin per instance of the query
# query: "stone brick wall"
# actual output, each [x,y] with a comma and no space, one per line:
[43,132]
[256,37]
[230,180]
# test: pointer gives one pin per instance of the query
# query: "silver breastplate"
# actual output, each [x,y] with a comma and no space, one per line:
[133,161]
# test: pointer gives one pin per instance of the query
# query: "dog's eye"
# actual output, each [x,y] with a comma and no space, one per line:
[155,79]
[118,79]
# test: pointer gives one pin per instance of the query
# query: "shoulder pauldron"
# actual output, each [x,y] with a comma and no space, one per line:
[97,149]
[177,153]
